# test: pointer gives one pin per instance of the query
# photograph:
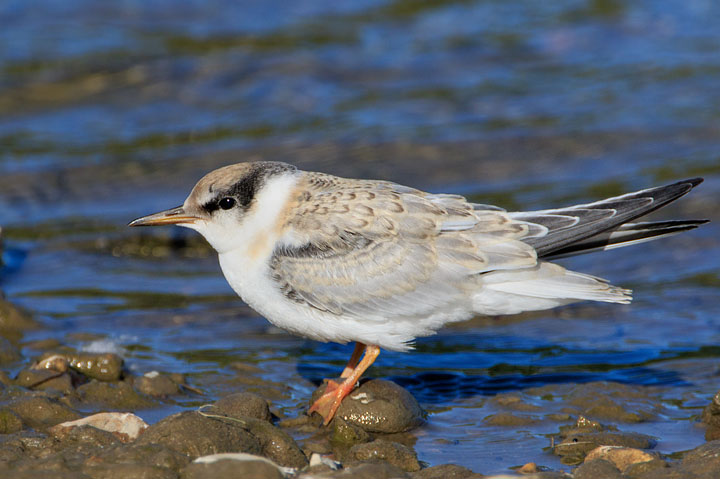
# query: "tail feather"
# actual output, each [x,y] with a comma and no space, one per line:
[604,224]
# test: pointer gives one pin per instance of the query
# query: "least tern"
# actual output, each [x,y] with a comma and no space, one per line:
[380,264]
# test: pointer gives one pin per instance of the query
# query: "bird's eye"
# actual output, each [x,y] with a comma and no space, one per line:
[227,203]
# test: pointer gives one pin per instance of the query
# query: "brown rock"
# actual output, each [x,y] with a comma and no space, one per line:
[529,468]
[381,450]
[156,385]
[194,435]
[41,412]
[380,406]
[126,471]
[244,404]
[125,426]
[44,379]
[120,395]
[8,352]
[227,468]
[446,471]
[597,469]
[9,421]
[622,457]
[382,470]
[508,419]
[133,453]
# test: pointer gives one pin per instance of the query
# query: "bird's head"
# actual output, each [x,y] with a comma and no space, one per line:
[224,206]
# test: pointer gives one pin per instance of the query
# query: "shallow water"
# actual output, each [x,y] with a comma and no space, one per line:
[112,111]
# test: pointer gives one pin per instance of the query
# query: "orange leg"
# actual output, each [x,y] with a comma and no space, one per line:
[329,402]
[357,352]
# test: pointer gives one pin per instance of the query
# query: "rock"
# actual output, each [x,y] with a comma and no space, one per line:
[120,395]
[231,466]
[508,419]
[622,457]
[446,471]
[41,412]
[382,470]
[379,406]
[125,471]
[100,366]
[125,426]
[703,461]
[45,379]
[647,470]
[577,443]
[345,433]
[529,468]
[83,439]
[151,454]
[156,384]
[612,401]
[244,404]
[599,468]
[711,417]
[514,402]
[13,321]
[8,353]
[9,421]
[392,452]
[194,435]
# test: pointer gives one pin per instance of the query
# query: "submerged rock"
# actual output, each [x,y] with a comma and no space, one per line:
[13,321]
[621,457]
[379,406]
[578,441]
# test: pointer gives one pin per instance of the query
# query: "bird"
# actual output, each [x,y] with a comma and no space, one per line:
[380,264]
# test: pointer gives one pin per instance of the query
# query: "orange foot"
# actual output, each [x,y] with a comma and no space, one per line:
[327,404]
[335,392]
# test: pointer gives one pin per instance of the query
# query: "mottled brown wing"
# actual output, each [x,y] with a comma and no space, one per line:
[373,249]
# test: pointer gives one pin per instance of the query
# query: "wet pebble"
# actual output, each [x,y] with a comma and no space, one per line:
[596,469]
[244,404]
[41,412]
[14,322]
[232,466]
[380,450]
[156,384]
[446,471]
[45,379]
[621,457]
[711,417]
[508,419]
[100,366]
[578,441]
[379,406]
[612,402]
[125,427]
[9,421]
[194,435]
[119,395]
[8,352]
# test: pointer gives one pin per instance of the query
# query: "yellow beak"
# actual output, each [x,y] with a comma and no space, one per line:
[173,216]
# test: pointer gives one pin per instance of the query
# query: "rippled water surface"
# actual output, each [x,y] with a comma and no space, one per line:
[111,110]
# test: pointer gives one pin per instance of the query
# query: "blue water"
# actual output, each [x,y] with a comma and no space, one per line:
[112,110]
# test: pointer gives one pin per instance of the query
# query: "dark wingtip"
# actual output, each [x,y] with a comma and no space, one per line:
[694,181]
